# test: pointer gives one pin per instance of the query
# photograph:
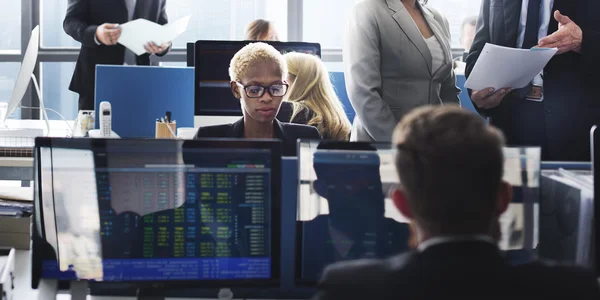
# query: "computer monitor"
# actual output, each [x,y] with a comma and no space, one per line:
[344,209]
[214,102]
[23,78]
[595,151]
[157,212]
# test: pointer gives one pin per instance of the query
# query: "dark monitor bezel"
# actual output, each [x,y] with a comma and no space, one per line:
[239,45]
[39,248]
[335,145]
[190,54]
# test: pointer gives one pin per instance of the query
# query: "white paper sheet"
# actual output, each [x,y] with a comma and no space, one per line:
[137,33]
[500,67]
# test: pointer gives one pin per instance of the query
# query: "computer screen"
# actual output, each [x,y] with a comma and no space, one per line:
[595,151]
[212,94]
[345,212]
[157,210]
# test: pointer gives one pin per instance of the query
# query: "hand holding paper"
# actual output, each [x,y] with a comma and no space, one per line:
[136,35]
[489,98]
[155,49]
[502,67]
[108,34]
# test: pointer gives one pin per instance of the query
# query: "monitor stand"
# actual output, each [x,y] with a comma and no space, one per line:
[48,289]
[79,290]
[150,294]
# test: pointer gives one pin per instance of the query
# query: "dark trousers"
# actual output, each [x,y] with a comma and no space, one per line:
[86,103]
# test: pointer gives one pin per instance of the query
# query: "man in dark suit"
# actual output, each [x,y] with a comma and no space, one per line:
[456,225]
[356,226]
[95,24]
[558,108]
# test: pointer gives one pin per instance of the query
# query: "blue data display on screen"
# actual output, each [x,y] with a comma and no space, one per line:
[173,269]
[191,215]
[356,226]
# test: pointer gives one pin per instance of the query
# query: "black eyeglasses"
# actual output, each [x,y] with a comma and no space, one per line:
[257,91]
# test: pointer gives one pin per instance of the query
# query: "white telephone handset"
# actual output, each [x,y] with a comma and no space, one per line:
[105,116]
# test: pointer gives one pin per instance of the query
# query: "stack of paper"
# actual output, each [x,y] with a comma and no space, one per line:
[580,180]
[15,208]
[137,33]
[502,67]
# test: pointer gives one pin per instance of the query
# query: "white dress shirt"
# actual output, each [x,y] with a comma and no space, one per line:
[454,239]
[545,17]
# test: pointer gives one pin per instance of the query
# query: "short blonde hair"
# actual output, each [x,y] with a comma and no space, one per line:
[252,55]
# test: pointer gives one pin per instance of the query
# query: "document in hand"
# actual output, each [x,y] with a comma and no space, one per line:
[499,67]
[137,33]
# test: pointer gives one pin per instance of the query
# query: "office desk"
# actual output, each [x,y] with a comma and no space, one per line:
[21,168]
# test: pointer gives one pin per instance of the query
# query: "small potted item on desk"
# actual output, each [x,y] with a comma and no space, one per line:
[165,127]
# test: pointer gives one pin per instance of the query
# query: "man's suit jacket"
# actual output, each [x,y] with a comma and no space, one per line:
[562,122]
[81,21]
[288,133]
[456,270]
[388,66]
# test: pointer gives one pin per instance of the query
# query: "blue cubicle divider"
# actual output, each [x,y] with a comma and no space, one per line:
[140,94]
[465,100]
[338,81]
[339,84]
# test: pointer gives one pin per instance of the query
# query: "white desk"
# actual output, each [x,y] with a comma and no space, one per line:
[58,128]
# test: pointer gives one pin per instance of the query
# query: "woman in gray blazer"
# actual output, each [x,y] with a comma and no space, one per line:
[396,57]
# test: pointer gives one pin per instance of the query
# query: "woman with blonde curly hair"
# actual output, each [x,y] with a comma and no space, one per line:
[312,99]
[258,79]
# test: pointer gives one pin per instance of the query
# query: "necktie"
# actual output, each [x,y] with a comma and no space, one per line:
[130,57]
[533,24]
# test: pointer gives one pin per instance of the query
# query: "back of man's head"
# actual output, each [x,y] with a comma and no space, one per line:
[450,165]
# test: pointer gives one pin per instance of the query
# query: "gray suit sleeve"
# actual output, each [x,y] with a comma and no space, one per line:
[362,61]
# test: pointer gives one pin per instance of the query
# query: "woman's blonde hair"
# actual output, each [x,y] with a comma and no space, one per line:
[312,90]
[252,55]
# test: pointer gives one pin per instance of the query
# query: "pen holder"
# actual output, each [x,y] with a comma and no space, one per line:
[163,132]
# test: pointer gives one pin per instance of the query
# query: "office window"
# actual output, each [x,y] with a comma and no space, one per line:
[225,19]
[56,77]
[173,64]
[52,14]
[10,26]
[324,21]
[456,11]
[8,75]
[334,13]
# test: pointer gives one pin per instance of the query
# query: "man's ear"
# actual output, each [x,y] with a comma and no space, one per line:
[401,202]
[504,197]
[320,188]
[235,89]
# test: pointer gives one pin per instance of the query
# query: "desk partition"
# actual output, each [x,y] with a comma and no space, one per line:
[141,94]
